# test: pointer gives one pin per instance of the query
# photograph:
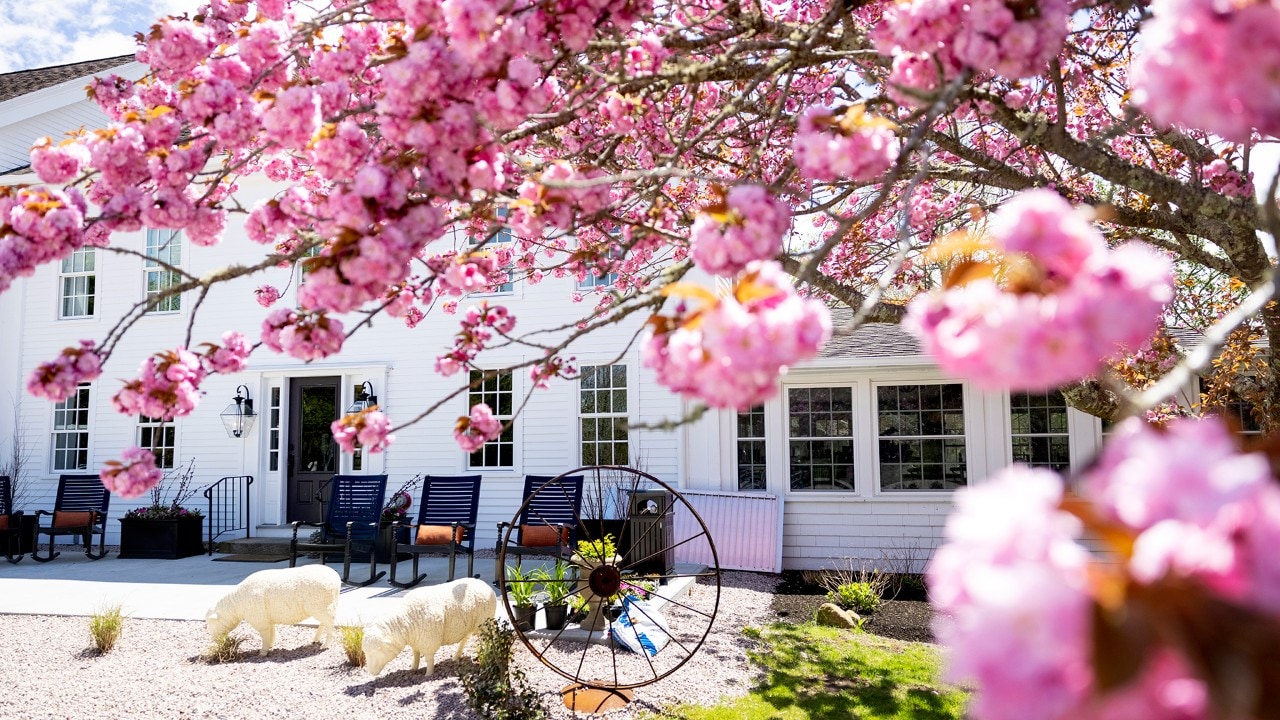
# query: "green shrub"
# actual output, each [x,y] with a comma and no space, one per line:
[105,626]
[494,689]
[602,550]
[859,596]
[352,639]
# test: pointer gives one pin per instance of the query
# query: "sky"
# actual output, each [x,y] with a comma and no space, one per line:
[40,33]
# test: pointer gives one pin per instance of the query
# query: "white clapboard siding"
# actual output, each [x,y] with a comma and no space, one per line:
[746,530]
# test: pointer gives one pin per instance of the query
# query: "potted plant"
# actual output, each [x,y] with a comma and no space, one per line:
[590,555]
[521,589]
[396,511]
[164,530]
[556,589]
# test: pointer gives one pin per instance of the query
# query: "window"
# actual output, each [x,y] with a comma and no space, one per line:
[501,244]
[820,438]
[751,449]
[273,435]
[592,280]
[922,444]
[77,284]
[602,411]
[1040,435]
[494,390]
[164,248]
[159,437]
[71,431]
[1235,410]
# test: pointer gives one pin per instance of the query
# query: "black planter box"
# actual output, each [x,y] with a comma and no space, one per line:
[27,533]
[382,548]
[161,539]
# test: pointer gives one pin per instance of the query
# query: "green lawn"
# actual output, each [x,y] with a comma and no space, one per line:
[824,673]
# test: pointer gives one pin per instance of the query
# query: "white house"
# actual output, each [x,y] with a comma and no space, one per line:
[864,446]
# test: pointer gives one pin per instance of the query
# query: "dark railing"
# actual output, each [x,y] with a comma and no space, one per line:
[228,506]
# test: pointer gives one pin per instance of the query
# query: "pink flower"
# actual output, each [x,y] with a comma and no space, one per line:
[858,147]
[133,475]
[267,295]
[304,335]
[57,380]
[230,357]
[168,386]
[748,227]
[369,429]
[474,431]
[60,163]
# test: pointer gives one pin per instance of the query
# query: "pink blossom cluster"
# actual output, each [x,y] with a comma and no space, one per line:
[472,431]
[730,352]
[477,328]
[463,273]
[541,373]
[58,163]
[1211,66]
[369,429]
[58,378]
[267,295]
[544,202]
[231,356]
[1012,40]
[856,147]
[1057,328]
[37,225]
[167,386]
[749,226]
[304,335]
[133,475]
[1012,580]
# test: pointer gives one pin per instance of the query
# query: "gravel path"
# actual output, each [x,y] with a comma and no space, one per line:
[156,670]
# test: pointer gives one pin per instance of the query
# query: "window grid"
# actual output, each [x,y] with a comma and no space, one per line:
[71,431]
[1040,437]
[496,391]
[751,448]
[164,247]
[602,411]
[78,284]
[160,438]
[273,435]
[921,437]
[593,281]
[502,242]
[820,438]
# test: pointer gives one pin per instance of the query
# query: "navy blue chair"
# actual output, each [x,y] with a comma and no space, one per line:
[352,517]
[446,525]
[80,508]
[548,523]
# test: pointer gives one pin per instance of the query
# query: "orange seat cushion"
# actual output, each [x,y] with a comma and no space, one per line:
[439,534]
[66,519]
[4,522]
[543,535]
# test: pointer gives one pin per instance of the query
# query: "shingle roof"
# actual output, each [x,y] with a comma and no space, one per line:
[22,82]
[872,340]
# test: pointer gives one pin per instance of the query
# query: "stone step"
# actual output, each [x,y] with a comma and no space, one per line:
[277,531]
[254,546]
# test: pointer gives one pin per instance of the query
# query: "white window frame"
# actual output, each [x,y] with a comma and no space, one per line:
[609,279]
[482,394]
[167,431]
[500,238]
[80,402]
[80,271]
[967,403]
[1065,433]
[762,439]
[162,246]
[275,428]
[852,437]
[613,415]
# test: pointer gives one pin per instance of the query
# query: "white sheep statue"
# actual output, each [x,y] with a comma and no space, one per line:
[427,618]
[281,596]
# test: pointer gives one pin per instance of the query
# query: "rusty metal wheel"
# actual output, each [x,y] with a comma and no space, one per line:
[652,525]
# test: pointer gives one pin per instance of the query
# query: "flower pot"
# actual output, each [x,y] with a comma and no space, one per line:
[555,615]
[596,618]
[525,615]
[161,539]
[26,534]
[382,546]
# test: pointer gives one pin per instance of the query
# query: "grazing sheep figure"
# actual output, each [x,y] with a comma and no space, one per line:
[282,596]
[428,618]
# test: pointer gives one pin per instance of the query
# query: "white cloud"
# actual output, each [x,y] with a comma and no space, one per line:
[40,34]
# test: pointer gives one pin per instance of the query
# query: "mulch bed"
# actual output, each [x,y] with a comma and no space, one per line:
[795,601]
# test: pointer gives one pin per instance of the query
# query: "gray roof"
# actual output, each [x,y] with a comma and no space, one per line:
[22,82]
[871,340]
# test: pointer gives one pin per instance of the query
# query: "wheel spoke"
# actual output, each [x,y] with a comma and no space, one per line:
[677,603]
[674,639]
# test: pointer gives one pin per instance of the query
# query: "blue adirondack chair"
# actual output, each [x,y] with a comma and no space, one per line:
[446,525]
[351,520]
[548,524]
[80,508]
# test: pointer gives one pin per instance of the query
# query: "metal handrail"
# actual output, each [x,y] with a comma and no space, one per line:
[231,492]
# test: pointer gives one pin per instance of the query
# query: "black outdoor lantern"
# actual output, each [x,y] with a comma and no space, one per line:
[364,400]
[238,417]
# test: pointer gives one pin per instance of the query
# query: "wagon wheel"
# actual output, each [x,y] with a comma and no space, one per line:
[687,595]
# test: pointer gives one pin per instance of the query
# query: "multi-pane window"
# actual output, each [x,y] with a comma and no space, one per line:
[71,431]
[751,449]
[1039,427]
[159,437]
[921,436]
[501,244]
[77,284]
[602,411]
[820,438]
[164,250]
[594,280]
[495,390]
[273,434]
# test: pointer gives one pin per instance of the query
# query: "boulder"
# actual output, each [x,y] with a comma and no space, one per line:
[833,615]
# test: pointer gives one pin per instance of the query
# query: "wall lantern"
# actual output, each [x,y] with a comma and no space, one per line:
[238,417]
[365,399]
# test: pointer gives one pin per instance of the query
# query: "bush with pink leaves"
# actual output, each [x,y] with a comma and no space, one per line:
[749,225]
[1049,314]
[133,475]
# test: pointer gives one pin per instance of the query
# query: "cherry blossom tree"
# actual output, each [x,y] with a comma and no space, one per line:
[1033,186]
